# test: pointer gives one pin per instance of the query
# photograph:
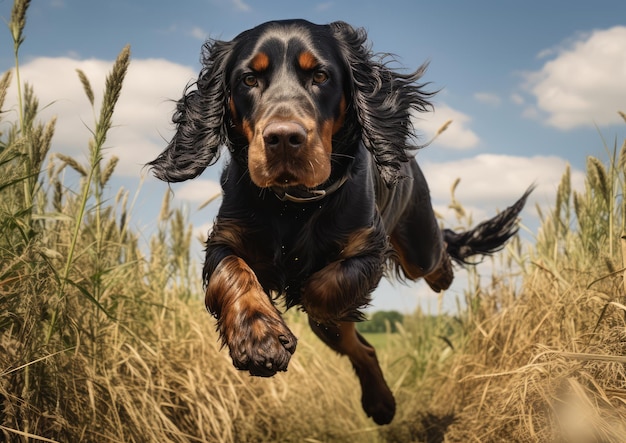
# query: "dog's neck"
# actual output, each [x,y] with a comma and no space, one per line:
[297,194]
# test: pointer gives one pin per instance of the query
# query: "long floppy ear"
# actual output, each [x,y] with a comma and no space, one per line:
[383,100]
[200,118]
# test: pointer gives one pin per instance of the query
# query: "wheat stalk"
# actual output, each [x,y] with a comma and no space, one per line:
[112,92]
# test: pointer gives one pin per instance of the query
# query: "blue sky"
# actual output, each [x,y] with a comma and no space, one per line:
[530,86]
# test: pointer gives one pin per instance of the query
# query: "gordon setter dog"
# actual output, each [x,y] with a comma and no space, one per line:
[321,195]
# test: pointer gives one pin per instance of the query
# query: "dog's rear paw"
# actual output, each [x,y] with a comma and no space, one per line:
[379,404]
[441,278]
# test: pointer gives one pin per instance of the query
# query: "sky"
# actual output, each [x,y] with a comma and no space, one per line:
[530,87]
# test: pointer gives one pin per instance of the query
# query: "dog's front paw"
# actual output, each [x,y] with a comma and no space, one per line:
[261,344]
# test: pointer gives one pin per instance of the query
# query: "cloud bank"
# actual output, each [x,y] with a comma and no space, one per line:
[457,136]
[141,122]
[584,83]
[491,182]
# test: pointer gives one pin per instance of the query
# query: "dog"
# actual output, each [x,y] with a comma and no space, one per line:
[321,195]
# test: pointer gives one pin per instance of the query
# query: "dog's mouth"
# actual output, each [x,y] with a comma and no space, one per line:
[286,172]
[288,153]
[287,180]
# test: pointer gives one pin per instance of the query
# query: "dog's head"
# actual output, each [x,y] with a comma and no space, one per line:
[290,99]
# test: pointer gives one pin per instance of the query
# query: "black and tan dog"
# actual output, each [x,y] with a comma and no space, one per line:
[321,195]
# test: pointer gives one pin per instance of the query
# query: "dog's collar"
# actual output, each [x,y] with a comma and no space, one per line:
[304,195]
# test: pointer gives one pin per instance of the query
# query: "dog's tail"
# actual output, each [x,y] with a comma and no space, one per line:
[487,237]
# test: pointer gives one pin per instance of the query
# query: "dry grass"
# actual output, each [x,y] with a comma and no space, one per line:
[542,368]
[547,362]
[101,341]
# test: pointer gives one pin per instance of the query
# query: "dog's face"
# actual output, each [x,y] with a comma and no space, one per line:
[287,98]
[291,99]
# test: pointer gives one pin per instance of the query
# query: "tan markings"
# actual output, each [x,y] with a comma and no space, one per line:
[260,62]
[327,135]
[309,165]
[357,243]
[322,299]
[247,130]
[245,312]
[233,110]
[411,271]
[307,61]
[257,155]
[331,127]
[342,115]
[233,287]
[233,114]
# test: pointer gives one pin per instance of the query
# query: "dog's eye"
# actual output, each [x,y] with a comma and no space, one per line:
[250,80]
[319,77]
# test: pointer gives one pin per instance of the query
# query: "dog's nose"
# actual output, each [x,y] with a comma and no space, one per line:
[284,135]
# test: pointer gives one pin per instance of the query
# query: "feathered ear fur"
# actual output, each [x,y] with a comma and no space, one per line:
[200,117]
[383,100]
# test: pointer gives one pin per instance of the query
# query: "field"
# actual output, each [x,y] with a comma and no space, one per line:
[380,340]
[103,341]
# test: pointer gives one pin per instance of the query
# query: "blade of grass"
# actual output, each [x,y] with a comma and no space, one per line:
[112,92]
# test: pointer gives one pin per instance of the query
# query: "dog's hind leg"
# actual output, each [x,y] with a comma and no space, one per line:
[423,250]
[376,397]
[418,241]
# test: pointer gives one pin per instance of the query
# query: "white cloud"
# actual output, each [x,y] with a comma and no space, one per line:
[517,99]
[242,6]
[198,33]
[142,118]
[325,6]
[531,112]
[490,181]
[457,136]
[584,84]
[546,53]
[488,98]
[201,231]
[198,190]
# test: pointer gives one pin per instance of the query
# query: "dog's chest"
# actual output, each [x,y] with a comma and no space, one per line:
[298,230]
[295,243]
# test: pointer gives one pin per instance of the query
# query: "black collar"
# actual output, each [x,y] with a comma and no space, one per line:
[304,195]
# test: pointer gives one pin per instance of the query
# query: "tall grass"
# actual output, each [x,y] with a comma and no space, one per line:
[546,362]
[103,341]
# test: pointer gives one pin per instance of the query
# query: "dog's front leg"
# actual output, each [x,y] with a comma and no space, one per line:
[335,294]
[248,322]
[340,289]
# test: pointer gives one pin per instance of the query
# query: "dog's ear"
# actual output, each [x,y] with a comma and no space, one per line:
[200,118]
[382,100]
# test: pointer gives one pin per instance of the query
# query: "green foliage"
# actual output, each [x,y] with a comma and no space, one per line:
[381,321]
